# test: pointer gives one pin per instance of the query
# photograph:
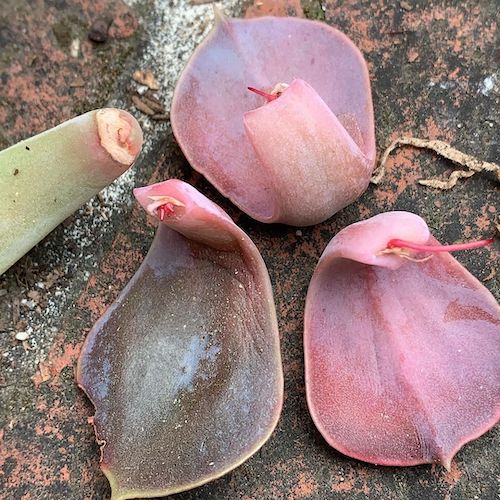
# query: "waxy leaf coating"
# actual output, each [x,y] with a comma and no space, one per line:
[184,368]
[402,357]
[298,159]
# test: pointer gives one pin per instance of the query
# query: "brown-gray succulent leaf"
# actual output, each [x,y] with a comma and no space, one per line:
[184,368]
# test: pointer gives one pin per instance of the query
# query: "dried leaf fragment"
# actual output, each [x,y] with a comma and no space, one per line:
[44,371]
[152,102]
[147,78]
[142,106]
[491,275]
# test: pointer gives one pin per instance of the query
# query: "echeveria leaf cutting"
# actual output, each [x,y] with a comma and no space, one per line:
[184,368]
[46,178]
[297,148]
[402,354]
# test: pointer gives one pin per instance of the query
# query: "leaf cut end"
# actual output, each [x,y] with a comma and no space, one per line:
[119,134]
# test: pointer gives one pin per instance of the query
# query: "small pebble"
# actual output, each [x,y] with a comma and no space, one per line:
[75,48]
[142,89]
[98,31]
[22,336]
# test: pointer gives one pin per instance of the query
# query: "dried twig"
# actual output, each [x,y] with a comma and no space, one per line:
[142,106]
[450,182]
[446,151]
[490,276]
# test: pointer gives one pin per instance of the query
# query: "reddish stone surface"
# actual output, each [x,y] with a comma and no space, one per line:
[49,69]
[428,64]
[275,8]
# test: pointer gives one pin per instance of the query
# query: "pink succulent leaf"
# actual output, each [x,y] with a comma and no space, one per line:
[402,358]
[315,142]
[184,368]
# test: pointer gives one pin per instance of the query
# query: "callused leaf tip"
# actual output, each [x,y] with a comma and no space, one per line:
[120,134]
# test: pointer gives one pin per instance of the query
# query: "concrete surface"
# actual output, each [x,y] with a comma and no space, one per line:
[434,74]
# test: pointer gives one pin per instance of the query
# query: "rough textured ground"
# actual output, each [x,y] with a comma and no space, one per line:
[434,74]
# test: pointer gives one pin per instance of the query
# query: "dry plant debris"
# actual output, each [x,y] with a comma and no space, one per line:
[151,106]
[144,99]
[446,151]
[147,78]
[490,276]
